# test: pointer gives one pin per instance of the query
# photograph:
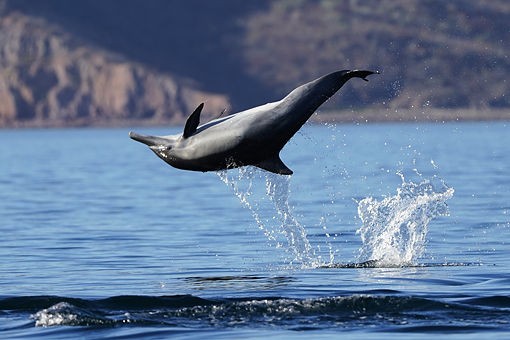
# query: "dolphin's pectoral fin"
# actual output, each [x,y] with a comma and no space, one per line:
[275,165]
[192,122]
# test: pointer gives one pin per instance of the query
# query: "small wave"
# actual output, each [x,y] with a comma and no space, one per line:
[65,314]
[186,311]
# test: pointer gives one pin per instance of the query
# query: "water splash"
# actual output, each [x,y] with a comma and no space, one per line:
[277,190]
[395,228]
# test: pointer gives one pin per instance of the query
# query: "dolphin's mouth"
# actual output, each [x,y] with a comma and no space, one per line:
[148,140]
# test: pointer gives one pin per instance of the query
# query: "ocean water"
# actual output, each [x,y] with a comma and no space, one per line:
[384,230]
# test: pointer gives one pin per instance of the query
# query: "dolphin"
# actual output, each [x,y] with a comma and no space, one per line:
[251,137]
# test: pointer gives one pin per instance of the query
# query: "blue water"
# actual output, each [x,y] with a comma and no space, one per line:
[101,239]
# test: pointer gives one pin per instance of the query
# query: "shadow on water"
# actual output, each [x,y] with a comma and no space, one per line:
[380,264]
[239,282]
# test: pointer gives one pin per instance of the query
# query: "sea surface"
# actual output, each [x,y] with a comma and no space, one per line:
[383,231]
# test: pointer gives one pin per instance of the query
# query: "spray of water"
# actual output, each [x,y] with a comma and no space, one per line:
[277,190]
[395,228]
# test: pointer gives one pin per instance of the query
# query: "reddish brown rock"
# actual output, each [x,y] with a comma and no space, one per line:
[49,78]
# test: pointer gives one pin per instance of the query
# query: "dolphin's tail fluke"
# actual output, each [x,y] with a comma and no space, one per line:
[361,74]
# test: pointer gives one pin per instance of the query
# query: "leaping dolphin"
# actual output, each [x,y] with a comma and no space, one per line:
[252,137]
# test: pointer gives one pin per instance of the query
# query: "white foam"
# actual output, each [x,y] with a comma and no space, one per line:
[395,228]
[56,315]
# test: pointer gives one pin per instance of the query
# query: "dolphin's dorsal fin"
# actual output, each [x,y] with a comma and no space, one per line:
[192,122]
[275,165]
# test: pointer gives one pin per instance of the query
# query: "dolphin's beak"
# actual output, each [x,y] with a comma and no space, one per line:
[148,140]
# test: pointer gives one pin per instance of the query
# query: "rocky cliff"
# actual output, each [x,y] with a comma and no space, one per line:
[50,78]
[108,62]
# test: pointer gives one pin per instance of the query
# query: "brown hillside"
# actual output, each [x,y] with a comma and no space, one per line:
[49,78]
[430,53]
